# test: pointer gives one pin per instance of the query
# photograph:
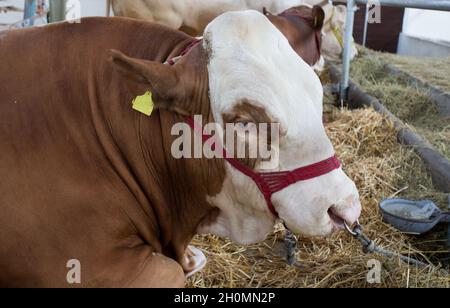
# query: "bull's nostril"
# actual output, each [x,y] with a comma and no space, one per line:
[336,218]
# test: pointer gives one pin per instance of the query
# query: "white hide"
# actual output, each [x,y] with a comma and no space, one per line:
[196,14]
[250,59]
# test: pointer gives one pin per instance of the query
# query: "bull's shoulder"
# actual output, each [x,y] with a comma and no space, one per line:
[141,31]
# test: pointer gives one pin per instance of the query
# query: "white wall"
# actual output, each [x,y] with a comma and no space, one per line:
[426,24]
[93,7]
[88,8]
[426,33]
[11,17]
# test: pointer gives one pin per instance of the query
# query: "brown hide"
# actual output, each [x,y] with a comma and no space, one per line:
[302,26]
[83,175]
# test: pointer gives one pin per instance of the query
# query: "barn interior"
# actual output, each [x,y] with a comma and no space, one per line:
[406,74]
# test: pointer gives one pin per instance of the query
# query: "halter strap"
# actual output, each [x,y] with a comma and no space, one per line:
[270,183]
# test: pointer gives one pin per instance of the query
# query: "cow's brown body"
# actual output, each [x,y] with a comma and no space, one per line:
[85,177]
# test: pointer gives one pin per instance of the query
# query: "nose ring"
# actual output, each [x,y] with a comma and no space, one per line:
[351,230]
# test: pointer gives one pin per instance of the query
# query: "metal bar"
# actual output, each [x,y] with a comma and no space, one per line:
[366,25]
[108,8]
[29,11]
[57,10]
[351,8]
[440,5]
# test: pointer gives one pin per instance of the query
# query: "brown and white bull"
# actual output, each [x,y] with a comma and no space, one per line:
[85,177]
[192,16]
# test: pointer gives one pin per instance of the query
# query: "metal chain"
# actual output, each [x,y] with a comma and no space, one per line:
[370,247]
[290,242]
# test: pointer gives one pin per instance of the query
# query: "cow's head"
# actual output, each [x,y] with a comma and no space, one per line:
[253,75]
[302,26]
[334,31]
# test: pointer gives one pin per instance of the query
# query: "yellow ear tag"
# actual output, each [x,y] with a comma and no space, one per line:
[144,103]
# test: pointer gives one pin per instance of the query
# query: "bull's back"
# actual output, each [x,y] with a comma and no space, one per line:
[52,81]
[60,198]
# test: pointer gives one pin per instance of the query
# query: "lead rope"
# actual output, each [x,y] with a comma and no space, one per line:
[370,247]
[290,242]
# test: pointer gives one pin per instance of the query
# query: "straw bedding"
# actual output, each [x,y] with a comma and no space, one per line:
[430,70]
[409,103]
[366,144]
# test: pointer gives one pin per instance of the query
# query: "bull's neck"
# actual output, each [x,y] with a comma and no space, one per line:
[176,190]
[172,193]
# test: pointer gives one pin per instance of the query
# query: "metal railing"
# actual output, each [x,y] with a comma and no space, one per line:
[440,5]
[34,11]
[29,10]
[57,10]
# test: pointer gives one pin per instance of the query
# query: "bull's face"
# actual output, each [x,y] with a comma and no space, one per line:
[252,82]
[253,76]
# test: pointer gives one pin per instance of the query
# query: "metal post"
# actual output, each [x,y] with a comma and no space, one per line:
[29,11]
[351,8]
[108,8]
[57,10]
[366,25]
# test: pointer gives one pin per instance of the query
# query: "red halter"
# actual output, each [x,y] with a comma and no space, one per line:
[270,183]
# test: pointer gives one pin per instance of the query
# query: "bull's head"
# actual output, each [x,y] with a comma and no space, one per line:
[302,26]
[252,75]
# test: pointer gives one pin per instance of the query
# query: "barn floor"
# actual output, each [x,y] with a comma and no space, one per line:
[409,103]
[432,70]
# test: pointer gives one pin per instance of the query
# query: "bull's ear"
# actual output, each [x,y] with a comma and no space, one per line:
[266,12]
[318,16]
[162,80]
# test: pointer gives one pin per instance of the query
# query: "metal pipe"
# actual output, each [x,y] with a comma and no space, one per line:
[366,25]
[351,8]
[29,11]
[108,8]
[439,5]
[57,10]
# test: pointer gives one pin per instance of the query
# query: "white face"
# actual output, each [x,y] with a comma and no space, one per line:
[250,59]
[334,31]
